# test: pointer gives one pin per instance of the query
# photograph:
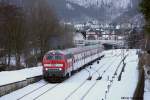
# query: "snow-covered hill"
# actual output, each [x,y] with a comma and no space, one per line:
[85,10]
[103,10]
[99,3]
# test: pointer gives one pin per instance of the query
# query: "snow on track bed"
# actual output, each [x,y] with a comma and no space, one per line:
[21,92]
[78,87]
[85,90]
[127,86]
[41,88]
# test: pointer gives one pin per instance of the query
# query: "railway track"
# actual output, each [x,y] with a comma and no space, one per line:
[46,91]
[32,91]
[106,68]
[96,81]
[47,86]
[86,82]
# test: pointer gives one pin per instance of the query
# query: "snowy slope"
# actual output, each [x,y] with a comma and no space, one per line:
[8,77]
[99,3]
[85,10]
[107,9]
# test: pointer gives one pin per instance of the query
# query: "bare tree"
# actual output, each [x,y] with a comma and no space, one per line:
[27,31]
[12,30]
[42,23]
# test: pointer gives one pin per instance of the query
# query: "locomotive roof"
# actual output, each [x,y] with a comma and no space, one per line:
[55,52]
[74,50]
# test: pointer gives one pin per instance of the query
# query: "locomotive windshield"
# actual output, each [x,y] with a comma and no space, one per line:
[58,57]
[50,57]
[54,57]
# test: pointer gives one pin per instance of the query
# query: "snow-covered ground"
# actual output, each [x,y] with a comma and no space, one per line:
[126,87]
[8,77]
[77,87]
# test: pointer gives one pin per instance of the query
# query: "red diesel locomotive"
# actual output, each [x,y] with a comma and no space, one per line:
[58,64]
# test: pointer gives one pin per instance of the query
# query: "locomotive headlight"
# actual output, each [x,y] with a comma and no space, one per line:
[46,69]
[60,69]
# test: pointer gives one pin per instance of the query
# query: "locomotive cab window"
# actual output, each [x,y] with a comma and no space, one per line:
[50,57]
[54,57]
[58,57]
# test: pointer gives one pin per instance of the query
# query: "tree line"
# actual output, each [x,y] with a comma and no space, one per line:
[141,39]
[145,10]
[28,31]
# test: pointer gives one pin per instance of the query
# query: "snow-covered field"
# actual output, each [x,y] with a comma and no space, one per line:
[77,87]
[8,77]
